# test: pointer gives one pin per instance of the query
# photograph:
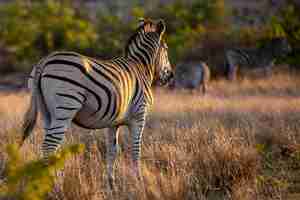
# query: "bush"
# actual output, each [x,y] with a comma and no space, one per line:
[187,23]
[33,180]
[287,23]
[113,33]
[56,25]
[52,25]
[32,30]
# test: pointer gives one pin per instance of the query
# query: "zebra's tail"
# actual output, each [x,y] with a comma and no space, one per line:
[30,117]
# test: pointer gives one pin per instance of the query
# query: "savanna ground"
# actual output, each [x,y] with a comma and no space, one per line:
[241,141]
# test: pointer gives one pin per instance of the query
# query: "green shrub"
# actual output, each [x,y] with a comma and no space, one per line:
[31,30]
[113,33]
[287,23]
[33,180]
[188,22]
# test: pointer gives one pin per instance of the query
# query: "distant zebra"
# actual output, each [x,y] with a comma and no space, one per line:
[238,59]
[192,76]
[68,87]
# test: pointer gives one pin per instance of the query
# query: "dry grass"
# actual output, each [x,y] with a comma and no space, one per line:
[241,141]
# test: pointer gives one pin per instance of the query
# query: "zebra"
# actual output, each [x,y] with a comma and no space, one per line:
[191,76]
[94,94]
[238,59]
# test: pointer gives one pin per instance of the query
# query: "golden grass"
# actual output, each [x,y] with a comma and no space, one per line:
[241,141]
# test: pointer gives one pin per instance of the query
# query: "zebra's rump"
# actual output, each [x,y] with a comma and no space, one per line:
[191,75]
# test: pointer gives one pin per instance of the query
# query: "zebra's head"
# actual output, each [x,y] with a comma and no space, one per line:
[280,46]
[146,46]
[163,69]
[163,72]
[146,39]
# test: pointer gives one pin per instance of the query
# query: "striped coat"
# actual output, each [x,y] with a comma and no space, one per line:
[69,87]
[239,60]
[192,76]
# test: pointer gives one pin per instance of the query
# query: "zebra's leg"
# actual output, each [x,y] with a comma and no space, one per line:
[268,70]
[54,137]
[233,69]
[232,66]
[60,121]
[136,128]
[112,149]
[203,88]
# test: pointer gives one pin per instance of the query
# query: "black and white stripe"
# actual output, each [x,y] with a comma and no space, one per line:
[69,87]
[239,60]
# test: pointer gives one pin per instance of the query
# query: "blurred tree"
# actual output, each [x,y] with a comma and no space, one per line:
[32,30]
[287,23]
[188,22]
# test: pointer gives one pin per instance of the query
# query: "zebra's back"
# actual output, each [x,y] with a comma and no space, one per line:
[250,58]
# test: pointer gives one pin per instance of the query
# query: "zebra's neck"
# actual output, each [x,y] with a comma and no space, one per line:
[143,50]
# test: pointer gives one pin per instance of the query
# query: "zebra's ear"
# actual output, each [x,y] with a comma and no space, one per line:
[161,27]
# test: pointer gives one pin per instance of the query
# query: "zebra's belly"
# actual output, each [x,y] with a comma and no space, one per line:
[89,120]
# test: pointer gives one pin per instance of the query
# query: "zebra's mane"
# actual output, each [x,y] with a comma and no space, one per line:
[133,37]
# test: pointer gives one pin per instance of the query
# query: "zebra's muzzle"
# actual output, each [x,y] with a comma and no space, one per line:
[166,77]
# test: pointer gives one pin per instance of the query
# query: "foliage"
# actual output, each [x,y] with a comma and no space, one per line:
[113,32]
[196,29]
[287,23]
[33,180]
[31,30]
[187,23]
[52,25]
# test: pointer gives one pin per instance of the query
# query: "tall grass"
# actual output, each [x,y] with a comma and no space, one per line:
[241,141]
